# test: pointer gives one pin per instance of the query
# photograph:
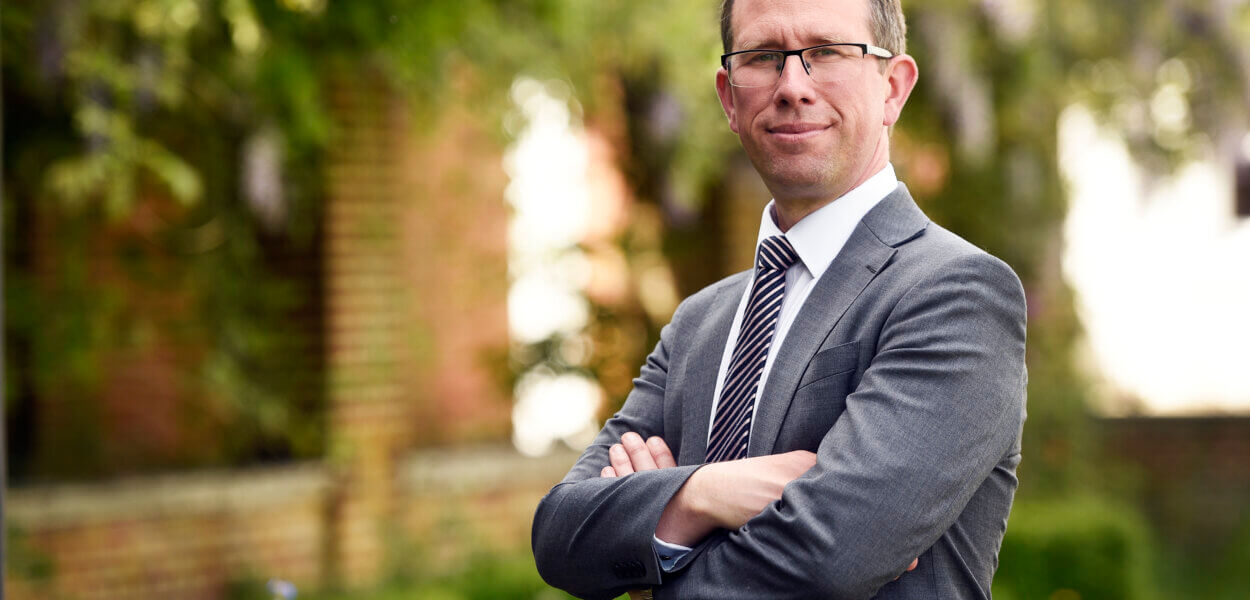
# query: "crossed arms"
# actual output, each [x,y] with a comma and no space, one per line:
[722,495]
[719,496]
[935,412]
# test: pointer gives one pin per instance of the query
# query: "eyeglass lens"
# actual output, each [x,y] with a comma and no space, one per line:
[825,64]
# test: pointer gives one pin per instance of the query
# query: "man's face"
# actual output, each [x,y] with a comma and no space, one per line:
[810,141]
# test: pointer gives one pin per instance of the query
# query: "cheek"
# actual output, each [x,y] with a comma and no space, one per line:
[748,125]
[744,109]
[856,103]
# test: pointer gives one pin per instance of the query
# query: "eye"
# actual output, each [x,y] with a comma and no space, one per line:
[827,54]
[762,58]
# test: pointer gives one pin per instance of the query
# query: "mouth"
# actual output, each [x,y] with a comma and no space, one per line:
[793,132]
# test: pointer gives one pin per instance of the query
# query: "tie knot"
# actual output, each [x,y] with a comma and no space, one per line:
[776,253]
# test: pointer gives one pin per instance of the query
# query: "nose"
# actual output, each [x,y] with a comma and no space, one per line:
[794,85]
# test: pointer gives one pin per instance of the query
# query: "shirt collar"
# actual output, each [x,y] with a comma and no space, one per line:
[820,236]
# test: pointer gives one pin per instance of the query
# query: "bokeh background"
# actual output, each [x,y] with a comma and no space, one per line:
[325,292]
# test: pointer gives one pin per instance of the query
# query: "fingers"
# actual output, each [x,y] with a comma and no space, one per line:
[620,460]
[639,455]
[633,454]
[660,452]
[911,567]
[607,472]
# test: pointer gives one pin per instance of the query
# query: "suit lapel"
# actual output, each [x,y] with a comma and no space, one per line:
[841,284]
[702,366]
[894,220]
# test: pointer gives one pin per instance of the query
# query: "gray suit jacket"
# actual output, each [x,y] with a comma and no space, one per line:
[904,371]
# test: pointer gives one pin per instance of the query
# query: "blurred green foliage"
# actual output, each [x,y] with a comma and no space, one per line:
[1076,548]
[483,577]
[119,109]
[22,560]
[1215,570]
[1092,548]
[130,112]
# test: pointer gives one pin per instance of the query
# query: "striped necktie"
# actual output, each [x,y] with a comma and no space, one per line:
[732,426]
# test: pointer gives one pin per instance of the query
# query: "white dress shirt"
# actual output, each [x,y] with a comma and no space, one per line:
[817,238]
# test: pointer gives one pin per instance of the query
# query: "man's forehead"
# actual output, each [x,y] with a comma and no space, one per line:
[761,23]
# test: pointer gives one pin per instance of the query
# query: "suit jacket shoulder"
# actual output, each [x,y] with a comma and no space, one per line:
[924,249]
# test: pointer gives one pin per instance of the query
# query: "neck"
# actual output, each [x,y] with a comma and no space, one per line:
[788,211]
[791,206]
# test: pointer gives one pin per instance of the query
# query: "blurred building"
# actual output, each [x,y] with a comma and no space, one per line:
[403,349]
[1157,262]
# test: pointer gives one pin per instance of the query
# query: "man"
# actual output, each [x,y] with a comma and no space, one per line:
[848,409]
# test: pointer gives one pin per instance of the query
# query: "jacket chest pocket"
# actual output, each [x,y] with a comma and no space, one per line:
[820,398]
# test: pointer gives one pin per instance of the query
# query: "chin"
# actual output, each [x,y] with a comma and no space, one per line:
[800,176]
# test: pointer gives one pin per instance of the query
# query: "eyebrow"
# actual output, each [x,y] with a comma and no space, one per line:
[832,39]
[819,41]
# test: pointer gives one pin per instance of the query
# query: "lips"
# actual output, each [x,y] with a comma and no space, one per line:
[796,134]
[797,128]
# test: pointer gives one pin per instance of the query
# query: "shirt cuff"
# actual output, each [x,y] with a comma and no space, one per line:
[669,553]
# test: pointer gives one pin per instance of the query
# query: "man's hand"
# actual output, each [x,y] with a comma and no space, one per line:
[728,494]
[725,495]
[911,567]
[632,454]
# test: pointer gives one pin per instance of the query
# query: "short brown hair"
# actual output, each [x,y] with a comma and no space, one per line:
[885,21]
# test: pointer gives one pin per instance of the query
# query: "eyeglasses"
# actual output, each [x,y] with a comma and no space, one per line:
[826,63]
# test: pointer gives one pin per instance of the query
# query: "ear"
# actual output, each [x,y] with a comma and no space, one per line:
[725,91]
[900,78]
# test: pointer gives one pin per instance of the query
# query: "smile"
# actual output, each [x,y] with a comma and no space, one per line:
[793,132]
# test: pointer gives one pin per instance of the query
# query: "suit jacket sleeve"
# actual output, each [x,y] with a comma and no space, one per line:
[592,536]
[940,403]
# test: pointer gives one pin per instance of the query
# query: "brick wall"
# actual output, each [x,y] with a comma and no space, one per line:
[454,270]
[368,419]
[190,536]
[178,536]
[416,284]
[1193,473]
